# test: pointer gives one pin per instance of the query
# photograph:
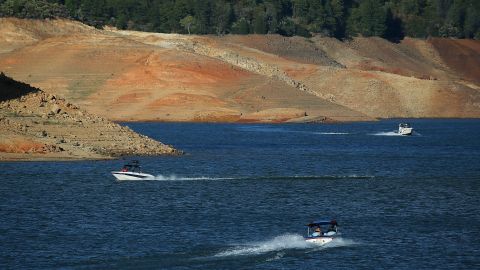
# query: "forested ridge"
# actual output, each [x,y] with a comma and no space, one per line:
[391,19]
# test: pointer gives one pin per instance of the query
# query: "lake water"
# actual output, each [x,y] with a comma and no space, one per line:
[241,196]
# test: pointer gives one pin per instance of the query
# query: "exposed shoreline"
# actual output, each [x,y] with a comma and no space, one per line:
[90,77]
[132,76]
[6,158]
[38,126]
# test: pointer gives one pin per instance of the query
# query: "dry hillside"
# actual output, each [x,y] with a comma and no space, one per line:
[131,76]
[35,125]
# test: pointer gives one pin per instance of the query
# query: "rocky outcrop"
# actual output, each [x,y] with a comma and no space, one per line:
[38,125]
[237,59]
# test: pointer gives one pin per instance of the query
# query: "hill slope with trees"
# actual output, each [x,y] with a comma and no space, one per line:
[141,76]
[390,19]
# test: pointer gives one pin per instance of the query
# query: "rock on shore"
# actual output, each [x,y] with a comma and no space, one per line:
[35,125]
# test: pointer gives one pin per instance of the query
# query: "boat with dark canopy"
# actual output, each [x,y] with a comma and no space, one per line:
[405,129]
[322,231]
[132,171]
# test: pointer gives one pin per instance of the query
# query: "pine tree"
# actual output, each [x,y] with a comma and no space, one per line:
[339,18]
[222,17]
[371,18]
[472,19]
[300,10]
[259,20]
[241,27]
[338,9]
[202,16]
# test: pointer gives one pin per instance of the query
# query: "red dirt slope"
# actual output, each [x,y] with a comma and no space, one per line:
[133,76]
[461,55]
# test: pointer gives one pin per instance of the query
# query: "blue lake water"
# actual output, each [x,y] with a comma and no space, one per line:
[241,196]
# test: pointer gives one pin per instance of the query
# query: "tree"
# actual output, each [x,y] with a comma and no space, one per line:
[456,17]
[369,19]
[434,16]
[174,11]
[448,30]
[287,27]
[121,22]
[391,19]
[203,16]
[394,30]
[338,9]
[222,17]
[187,22]
[300,10]
[72,6]
[315,17]
[259,21]
[33,9]
[272,14]
[241,27]
[472,20]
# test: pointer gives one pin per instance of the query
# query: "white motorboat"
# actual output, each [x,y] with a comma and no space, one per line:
[132,171]
[319,236]
[405,129]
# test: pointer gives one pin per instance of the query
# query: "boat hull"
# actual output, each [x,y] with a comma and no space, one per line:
[405,131]
[321,240]
[132,176]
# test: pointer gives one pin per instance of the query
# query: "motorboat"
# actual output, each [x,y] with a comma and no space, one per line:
[132,171]
[322,232]
[405,129]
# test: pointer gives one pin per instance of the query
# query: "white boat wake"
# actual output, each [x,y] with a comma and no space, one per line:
[286,241]
[280,244]
[331,133]
[283,130]
[395,133]
[388,133]
[174,177]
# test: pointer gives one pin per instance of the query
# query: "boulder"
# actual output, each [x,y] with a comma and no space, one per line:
[55,109]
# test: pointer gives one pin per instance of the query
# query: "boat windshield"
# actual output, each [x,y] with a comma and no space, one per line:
[322,228]
[132,167]
[404,125]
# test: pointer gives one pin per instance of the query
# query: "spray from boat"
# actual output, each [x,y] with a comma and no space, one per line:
[281,243]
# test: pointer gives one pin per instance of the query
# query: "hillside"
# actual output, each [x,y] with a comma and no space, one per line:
[35,125]
[138,76]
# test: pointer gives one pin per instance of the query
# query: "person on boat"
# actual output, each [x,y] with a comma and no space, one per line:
[332,228]
[124,169]
[317,232]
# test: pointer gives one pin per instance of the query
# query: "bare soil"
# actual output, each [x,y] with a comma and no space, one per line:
[461,55]
[138,76]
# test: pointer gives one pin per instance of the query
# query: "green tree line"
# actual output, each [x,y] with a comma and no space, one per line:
[391,19]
